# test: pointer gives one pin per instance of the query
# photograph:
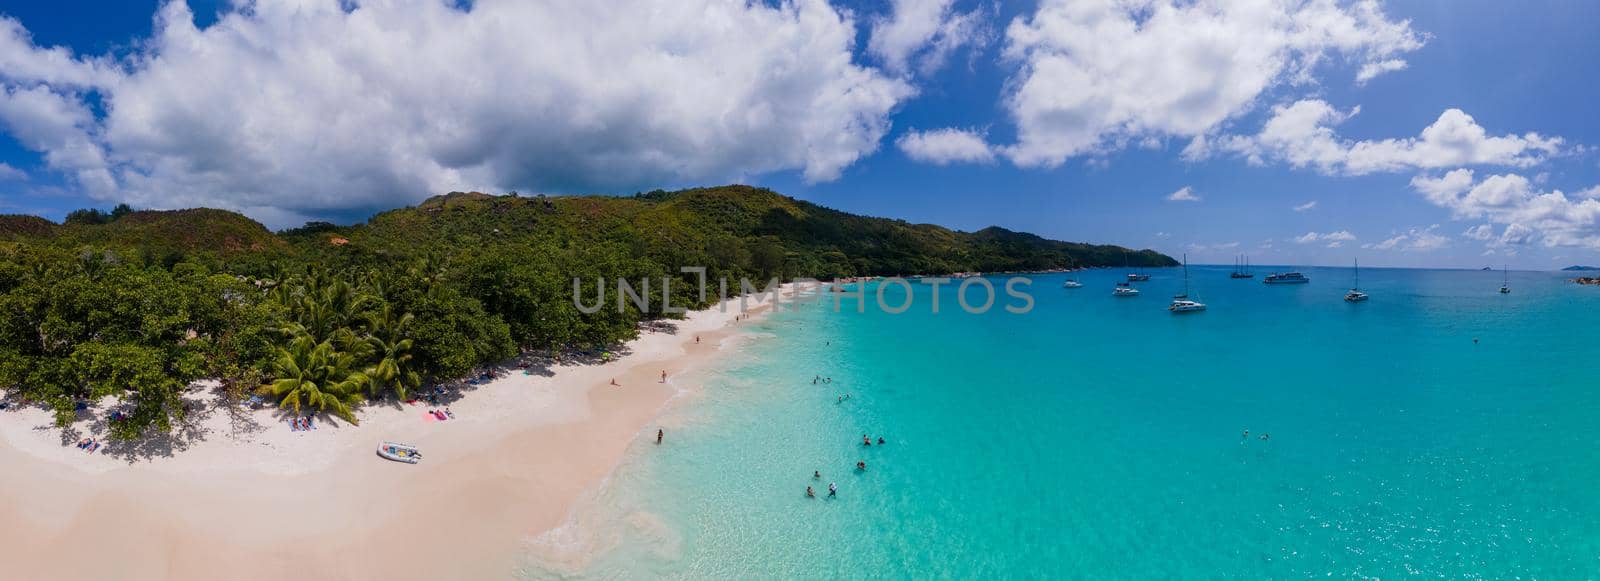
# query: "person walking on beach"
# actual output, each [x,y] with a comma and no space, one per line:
[663,376]
[660,433]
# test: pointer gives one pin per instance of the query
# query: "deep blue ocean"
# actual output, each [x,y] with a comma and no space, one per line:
[1441,429]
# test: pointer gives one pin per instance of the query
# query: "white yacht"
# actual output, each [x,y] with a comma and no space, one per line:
[1182,303]
[1124,290]
[1072,283]
[1355,295]
[1286,278]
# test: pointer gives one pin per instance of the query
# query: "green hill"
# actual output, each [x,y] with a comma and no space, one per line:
[137,305]
[169,234]
[753,230]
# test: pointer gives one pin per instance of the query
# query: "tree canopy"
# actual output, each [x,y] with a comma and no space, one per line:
[136,305]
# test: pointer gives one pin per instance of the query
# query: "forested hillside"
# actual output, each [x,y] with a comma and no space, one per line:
[137,304]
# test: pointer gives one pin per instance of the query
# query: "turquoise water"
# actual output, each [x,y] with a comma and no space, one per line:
[1100,437]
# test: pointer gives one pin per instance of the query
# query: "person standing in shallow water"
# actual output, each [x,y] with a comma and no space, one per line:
[660,433]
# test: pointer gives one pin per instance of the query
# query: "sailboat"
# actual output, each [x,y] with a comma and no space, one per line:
[1139,276]
[1241,268]
[1355,295]
[1182,303]
[1505,284]
[1072,283]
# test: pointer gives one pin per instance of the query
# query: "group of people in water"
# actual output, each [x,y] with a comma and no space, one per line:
[1245,435]
[866,442]
[861,466]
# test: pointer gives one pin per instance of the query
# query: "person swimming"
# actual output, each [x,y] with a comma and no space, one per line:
[1245,434]
[810,493]
[865,441]
[817,475]
[1264,436]
[833,489]
[861,465]
[880,440]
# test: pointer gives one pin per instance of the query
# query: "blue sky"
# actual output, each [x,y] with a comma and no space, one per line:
[1067,118]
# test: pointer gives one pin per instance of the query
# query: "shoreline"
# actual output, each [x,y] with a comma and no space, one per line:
[259,501]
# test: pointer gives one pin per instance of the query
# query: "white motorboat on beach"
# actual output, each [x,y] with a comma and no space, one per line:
[400,452]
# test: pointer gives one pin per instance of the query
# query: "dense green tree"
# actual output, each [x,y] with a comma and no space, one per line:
[317,376]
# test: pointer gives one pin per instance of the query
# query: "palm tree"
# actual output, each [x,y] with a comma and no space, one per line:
[316,375]
[388,341]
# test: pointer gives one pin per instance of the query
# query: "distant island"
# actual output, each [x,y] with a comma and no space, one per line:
[138,305]
[1581,268]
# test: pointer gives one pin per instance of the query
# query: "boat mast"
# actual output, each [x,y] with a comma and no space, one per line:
[1186,275]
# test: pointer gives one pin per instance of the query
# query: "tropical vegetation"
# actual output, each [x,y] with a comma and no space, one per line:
[138,305]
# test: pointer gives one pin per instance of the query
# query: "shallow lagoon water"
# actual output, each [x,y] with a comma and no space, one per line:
[1101,436]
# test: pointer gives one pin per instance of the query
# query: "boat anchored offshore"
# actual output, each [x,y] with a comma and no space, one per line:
[400,452]
[1135,276]
[1242,269]
[1182,303]
[1505,284]
[1286,278]
[1072,283]
[1124,290]
[1355,295]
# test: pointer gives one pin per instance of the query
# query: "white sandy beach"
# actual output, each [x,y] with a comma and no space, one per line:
[248,498]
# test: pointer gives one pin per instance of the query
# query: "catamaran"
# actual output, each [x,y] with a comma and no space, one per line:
[1286,278]
[1505,284]
[1355,295]
[1124,290]
[1241,268]
[1182,303]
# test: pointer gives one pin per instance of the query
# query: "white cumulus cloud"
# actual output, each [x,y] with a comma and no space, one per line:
[945,146]
[1332,239]
[8,173]
[1306,207]
[289,108]
[1184,194]
[1302,135]
[922,34]
[1528,212]
[1413,240]
[1096,74]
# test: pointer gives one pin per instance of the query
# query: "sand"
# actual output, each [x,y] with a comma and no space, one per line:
[239,495]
